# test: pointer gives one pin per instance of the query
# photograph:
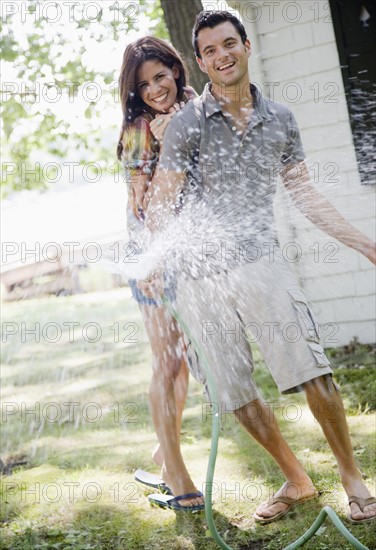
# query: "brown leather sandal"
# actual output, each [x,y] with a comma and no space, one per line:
[362,503]
[291,502]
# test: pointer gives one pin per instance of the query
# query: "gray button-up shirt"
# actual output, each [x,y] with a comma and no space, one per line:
[233,173]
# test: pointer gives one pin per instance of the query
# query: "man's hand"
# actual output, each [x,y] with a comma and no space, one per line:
[369,251]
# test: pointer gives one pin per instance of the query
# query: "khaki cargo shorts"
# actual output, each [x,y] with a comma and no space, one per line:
[257,303]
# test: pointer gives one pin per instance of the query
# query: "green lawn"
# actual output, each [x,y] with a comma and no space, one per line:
[75,426]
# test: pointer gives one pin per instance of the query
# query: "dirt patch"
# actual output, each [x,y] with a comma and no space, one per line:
[12,462]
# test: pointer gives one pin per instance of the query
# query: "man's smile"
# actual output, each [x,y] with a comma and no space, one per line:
[225,66]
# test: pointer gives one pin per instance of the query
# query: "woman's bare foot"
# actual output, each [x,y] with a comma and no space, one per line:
[180,483]
[157,456]
[297,492]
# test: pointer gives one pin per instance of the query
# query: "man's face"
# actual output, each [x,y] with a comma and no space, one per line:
[224,57]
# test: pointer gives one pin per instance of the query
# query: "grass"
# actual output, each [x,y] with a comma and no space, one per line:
[75,426]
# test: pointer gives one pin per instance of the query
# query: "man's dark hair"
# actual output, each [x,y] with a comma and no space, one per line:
[211,19]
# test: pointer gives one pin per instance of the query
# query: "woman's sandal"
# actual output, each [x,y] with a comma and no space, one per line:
[151,480]
[166,501]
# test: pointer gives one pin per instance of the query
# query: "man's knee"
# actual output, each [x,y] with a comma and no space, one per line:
[323,385]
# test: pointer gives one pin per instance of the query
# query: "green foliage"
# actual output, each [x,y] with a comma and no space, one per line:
[359,386]
[355,371]
[8,44]
[48,58]
[155,13]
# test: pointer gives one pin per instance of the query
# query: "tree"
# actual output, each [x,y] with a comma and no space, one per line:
[180,17]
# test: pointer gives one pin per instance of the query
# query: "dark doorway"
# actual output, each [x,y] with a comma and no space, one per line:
[354,24]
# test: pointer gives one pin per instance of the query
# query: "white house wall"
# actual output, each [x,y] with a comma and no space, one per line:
[294,45]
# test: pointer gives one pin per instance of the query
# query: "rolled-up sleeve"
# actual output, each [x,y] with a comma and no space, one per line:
[293,152]
[140,149]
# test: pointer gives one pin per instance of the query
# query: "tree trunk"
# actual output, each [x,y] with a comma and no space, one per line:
[180,16]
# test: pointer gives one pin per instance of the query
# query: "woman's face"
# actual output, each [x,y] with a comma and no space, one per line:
[156,85]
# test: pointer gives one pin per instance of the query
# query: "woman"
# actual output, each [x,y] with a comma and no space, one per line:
[153,86]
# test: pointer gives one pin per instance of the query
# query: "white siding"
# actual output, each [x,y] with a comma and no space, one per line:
[294,47]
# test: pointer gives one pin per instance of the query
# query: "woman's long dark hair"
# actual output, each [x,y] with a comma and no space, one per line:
[145,49]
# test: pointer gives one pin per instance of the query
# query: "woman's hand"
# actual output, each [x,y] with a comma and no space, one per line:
[147,197]
[139,187]
[152,287]
[159,124]
[190,92]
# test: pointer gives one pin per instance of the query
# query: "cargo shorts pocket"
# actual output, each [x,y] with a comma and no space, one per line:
[319,354]
[308,326]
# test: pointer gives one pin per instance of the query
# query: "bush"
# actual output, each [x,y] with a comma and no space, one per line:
[354,369]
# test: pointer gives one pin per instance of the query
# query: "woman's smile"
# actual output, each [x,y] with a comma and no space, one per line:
[161,98]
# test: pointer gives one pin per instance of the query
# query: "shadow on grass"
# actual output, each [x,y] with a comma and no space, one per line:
[112,527]
[95,527]
[104,527]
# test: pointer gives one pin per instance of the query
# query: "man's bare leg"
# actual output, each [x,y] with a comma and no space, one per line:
[327,407]
[164,337]
[259,421]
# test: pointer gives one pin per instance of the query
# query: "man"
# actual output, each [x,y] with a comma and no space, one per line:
[225,147]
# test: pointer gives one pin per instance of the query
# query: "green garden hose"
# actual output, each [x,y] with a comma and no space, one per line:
[326,511]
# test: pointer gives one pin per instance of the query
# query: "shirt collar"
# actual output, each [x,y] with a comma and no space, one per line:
[212,106]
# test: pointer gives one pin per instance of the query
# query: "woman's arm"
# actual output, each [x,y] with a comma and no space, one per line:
[139,184]
[140,158]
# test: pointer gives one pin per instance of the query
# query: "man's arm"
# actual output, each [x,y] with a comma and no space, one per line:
[163,195]
[321,212]
[180,143]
